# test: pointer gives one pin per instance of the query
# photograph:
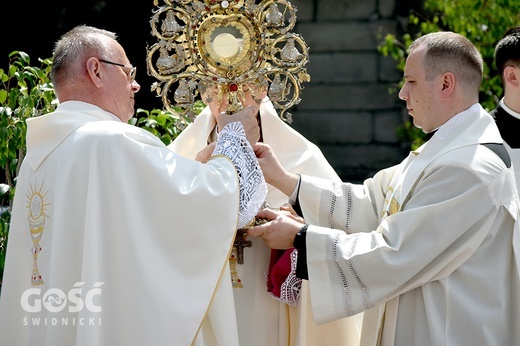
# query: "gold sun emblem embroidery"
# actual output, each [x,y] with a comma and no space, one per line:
[392,202]
[36,218]
[393,207]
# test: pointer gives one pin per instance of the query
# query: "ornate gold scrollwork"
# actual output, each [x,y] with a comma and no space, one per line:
[234,45]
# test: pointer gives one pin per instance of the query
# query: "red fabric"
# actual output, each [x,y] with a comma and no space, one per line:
[279,270]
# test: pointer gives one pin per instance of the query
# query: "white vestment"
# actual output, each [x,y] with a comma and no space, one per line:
[116,240]
[436,238]
[263,320]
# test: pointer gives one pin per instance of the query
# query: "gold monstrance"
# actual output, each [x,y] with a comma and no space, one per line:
[234,45]
[213,48]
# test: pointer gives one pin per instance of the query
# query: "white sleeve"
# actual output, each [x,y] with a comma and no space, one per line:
[232,143]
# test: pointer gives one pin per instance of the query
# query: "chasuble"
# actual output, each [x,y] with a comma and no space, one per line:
[116,240]
[431,245]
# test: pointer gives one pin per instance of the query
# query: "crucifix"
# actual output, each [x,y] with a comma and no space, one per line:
[241,243]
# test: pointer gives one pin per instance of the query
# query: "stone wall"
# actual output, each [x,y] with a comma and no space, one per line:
[346,108]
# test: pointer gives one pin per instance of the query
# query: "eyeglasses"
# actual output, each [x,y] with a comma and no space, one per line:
[132,69]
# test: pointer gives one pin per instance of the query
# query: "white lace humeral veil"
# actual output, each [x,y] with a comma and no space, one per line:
[252,184]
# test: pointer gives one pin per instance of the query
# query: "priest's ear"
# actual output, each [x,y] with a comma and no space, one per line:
[512,75]
[94,71]
[448,83]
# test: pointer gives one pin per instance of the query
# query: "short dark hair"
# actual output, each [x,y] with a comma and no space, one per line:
[507,50]
[449,51]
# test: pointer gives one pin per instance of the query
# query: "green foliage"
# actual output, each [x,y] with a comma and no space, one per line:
[483,22]
[25,92]
[5,217]
[163,124]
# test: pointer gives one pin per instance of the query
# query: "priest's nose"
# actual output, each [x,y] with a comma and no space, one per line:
[403,94]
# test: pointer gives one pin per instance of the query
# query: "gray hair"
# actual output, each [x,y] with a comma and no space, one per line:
[77,45]
[451,52]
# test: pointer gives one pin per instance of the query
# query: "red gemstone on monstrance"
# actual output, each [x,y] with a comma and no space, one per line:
[233,87]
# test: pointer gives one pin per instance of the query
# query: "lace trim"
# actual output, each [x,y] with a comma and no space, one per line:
[290,289]
[232,142]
